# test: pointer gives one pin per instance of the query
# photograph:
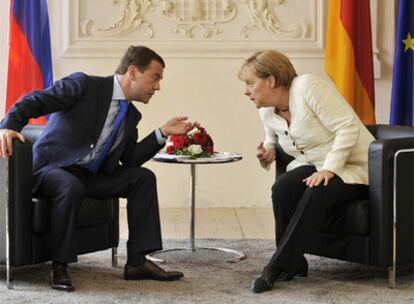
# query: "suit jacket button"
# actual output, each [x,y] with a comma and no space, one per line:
[286,133]
[91,146]
[301,152]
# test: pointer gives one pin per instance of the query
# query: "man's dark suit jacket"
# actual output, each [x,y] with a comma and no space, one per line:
[80,105]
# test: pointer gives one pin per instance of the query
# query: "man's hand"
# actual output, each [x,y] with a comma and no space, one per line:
[316,178]
[176,126]
[265,156]
[6,141]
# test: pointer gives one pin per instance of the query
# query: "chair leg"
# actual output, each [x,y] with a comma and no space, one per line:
[9,276]
[9,269]
[114,257]
[391,277]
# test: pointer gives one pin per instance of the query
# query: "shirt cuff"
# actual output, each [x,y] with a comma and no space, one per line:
[160,138]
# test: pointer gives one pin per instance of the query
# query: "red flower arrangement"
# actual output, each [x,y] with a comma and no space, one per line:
[196,143]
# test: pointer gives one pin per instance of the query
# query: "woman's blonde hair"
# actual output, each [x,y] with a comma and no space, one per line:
[270,62]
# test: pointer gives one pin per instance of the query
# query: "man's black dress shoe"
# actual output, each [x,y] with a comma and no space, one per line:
[151,271]
[60,279]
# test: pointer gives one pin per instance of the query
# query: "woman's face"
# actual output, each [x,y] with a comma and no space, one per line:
[259,90]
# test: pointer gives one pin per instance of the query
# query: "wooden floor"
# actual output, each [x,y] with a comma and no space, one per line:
[215,223]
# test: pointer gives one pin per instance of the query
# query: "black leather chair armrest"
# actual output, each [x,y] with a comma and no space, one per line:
[20,178]
[32,132]
[390,132]
[381,165]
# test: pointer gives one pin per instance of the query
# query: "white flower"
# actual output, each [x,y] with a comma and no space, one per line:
[195,149]
[193,131]
[169,142]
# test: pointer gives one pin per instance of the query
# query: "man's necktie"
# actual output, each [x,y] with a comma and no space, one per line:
[96,164]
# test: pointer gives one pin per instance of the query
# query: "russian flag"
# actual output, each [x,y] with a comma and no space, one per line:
[348,55]
[30,62]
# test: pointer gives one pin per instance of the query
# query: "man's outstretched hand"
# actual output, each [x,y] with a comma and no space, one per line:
[6,141]
[176,126]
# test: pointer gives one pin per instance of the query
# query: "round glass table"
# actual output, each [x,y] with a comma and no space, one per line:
[217,158]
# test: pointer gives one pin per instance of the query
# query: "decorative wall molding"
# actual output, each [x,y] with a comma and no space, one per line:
[198,28]
[132,13]
[192,28]
[264,18]
[205,14]
[186,15]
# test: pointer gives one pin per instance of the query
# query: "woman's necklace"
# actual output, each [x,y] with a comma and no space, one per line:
[277,110]
[284,114]
[284,110]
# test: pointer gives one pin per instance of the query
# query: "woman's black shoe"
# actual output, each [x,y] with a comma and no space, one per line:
[302,271]
[60,279]
[265,282]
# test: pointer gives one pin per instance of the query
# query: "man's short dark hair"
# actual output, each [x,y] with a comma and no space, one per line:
[139,56]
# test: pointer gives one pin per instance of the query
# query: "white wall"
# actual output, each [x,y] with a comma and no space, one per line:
[4,24]
[4,8]
[207,90]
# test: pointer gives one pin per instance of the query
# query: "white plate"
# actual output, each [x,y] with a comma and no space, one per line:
[218,157]
[164,155]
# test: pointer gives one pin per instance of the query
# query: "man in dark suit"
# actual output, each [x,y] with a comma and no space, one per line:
[91,129]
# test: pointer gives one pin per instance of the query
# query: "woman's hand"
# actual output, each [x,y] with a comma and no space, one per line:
[316,178]
[265,156]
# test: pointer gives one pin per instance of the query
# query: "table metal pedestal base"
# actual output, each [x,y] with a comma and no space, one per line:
[238,255]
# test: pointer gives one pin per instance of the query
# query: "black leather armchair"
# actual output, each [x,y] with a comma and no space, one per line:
[28,230]
[364,231]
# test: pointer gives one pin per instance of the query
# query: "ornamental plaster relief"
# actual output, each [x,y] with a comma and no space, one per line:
[131,17]
[262,17]
[191,28]
[185,16]
[191,14]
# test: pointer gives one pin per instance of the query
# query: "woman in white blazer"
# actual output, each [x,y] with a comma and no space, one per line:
[313,123]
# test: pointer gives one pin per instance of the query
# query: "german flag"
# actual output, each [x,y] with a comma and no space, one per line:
[348,55]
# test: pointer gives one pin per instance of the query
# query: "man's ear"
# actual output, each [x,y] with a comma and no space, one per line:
[132,72]
[271,81]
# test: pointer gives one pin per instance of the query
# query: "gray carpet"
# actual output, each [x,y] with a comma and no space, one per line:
[209,279]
